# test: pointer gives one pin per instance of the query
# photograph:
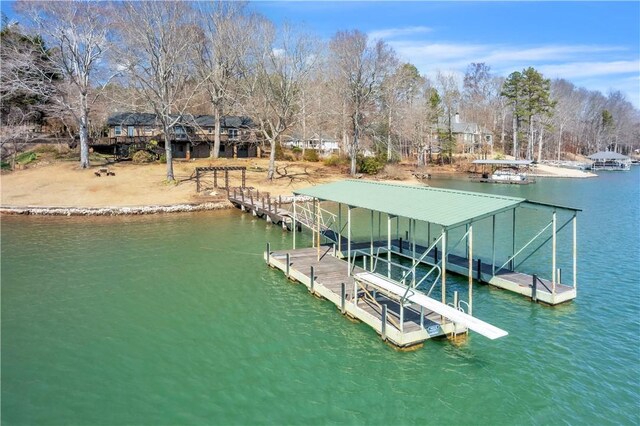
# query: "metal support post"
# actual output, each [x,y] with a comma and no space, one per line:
[575,251]
[444,266]
[349,240]
[388,246]
[553,255]
[318,227]
[513,241]
[470,253]
[293,224]
[371,246]
[493,246]
[340,227]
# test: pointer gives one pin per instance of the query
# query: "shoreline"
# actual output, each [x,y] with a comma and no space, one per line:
[114,210]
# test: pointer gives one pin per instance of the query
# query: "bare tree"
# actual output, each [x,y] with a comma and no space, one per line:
[155,51]
[222,44]
[362,68]
[449,89]
[76,37]
[275,74]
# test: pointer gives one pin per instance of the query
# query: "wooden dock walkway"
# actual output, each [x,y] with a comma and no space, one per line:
[262,205]
[382,312]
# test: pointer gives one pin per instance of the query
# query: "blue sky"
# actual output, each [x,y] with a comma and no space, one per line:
[593,44]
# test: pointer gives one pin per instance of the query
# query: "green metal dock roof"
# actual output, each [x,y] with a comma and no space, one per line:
[445,207]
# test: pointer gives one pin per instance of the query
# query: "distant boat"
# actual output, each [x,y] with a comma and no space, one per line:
[507,171]
[508,175]
[609,160]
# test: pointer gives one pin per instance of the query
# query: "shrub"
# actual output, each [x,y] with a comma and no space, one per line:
[163,158]
[311,155]
[371,165]
[142,156]
[335,160]
[296,150]
[4,165]
[26,157]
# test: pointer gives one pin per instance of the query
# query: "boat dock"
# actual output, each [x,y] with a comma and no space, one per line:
[381,304]
[396,285]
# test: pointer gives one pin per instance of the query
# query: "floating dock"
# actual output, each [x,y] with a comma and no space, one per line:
[405,319]
[388,282]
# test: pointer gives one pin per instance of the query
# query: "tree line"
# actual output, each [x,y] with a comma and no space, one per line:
[81,61]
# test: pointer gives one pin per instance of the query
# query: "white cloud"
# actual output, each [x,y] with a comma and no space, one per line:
[595,67]
[586,69]
[389,33]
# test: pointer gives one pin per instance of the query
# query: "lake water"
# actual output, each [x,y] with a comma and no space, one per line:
[176,320]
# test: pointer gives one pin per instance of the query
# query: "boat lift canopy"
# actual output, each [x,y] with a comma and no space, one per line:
[445,207]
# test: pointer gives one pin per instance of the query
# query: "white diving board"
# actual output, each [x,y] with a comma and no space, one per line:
[446,311]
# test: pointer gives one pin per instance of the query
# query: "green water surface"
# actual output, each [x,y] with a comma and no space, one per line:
[176,320]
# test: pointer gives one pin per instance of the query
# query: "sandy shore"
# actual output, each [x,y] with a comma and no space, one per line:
[544,170]
[64,184]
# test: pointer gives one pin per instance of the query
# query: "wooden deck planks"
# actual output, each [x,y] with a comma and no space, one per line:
[331,272]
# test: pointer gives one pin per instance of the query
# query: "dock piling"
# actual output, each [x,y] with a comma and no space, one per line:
[288,259]
[312,279]
[435,255]
[534,296]
[479,272]
[268,253]
[343,297]
[400,244]
[384,322]
[559,275]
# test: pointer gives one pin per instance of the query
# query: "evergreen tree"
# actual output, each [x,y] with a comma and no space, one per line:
[529,93]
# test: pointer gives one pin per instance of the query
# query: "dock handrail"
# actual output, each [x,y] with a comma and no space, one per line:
[523,247]
[368,296]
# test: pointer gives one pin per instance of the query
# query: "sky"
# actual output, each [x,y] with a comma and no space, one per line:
[595,45]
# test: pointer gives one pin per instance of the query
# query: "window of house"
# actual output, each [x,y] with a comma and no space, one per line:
[210,130]
[118,130]
[233,133]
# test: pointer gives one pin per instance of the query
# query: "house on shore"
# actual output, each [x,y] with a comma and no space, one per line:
[191,136]
[470,137]
[325,145]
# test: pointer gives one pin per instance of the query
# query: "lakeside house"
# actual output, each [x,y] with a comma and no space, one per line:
[191,136]
[323,144]
[469,136]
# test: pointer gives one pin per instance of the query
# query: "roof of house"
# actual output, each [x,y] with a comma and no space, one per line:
[132,119]
[228,121]
[608,155]
[149,119]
